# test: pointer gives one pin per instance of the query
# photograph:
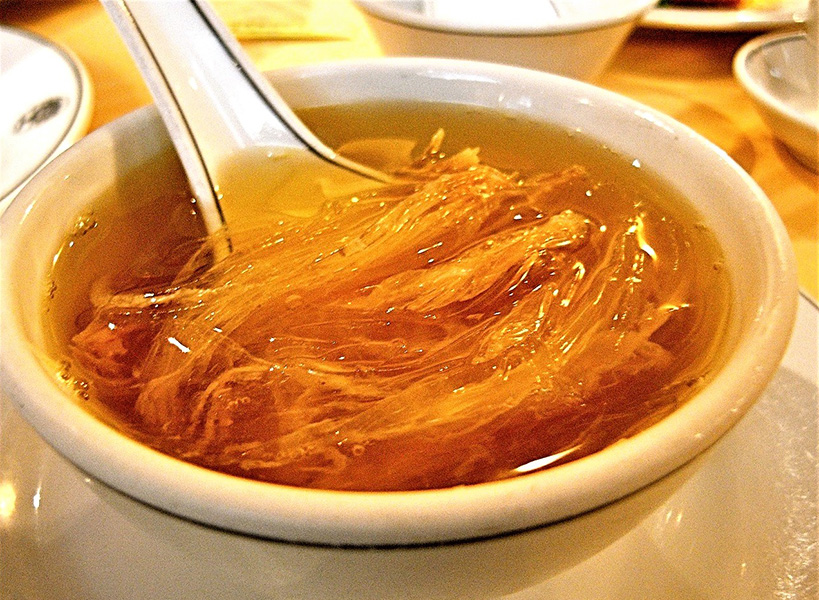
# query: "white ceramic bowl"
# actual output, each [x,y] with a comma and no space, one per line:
[572,38]
[779,72]
[757,255]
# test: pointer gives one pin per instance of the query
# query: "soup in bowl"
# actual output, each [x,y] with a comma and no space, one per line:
[563,297]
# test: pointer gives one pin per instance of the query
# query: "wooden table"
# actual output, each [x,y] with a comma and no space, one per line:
[685,75]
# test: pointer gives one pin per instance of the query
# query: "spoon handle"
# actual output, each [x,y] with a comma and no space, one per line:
[212,99]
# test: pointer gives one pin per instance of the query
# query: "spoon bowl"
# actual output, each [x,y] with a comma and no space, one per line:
[237,139]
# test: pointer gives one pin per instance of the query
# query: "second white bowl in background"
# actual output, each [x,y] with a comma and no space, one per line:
[780,74]
[575,39]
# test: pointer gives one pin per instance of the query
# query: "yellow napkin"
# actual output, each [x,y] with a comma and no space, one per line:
[285,19]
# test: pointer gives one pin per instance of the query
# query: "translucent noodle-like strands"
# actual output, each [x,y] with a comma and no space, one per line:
[435,333]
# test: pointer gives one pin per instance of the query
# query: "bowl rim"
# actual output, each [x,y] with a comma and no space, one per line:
[399,518]
[757,48]
[614,13]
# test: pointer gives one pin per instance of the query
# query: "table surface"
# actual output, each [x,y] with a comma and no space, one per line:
[685,75]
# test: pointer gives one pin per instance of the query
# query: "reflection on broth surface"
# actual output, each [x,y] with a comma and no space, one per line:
[470,323]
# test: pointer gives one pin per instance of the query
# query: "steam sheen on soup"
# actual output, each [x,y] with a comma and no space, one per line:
[494,313]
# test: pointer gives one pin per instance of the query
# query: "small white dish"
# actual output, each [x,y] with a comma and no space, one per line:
[49,109]
[788,12]
[571,38]
[779,73]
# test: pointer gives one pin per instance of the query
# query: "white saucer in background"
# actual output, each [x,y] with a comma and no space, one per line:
[681,18]
[45,106]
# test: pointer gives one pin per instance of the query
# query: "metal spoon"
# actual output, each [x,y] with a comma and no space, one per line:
[238,141]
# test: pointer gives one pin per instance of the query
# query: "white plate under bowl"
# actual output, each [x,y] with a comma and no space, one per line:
[788,12]
[779,75]
[742,526]
[45,106]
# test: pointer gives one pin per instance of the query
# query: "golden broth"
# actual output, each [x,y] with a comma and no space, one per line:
[476,324]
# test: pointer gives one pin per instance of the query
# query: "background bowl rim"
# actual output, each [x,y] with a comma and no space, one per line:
[759,91]
[617,13]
